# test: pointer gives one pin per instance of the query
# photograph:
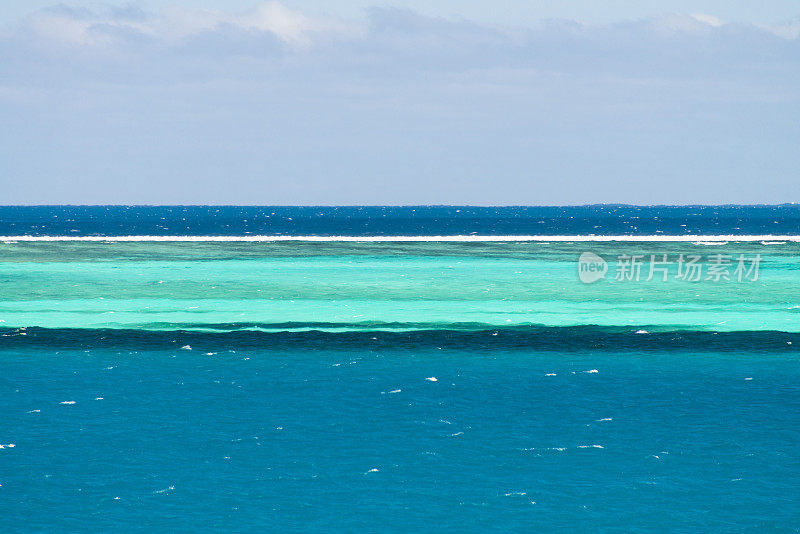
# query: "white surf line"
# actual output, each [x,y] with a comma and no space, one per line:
[410,238]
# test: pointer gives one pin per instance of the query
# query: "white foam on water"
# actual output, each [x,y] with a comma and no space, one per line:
[550,374]
[396,391]
[432,379]
[592,371]
[698,239]
[590,447]
[186,347]
[67,402]
[605,419]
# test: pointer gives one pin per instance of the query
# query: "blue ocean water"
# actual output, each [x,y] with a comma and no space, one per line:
[380,387]
[398,220]
[360,440]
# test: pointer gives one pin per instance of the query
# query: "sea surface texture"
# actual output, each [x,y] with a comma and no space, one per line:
[316,384]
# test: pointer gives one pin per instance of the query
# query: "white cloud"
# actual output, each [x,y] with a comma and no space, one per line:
[392,47]
[82,27]
[393,27]
[73,28]
[789,31]
[290,26]
[711,20]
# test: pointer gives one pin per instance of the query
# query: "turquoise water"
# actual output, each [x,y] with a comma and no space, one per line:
[317,387]
[364,286]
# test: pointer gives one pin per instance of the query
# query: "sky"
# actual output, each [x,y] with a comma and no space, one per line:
[370,102]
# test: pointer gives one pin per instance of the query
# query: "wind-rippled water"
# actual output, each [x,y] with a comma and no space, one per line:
[378,386]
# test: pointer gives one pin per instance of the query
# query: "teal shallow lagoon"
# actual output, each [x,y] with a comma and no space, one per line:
[363,285]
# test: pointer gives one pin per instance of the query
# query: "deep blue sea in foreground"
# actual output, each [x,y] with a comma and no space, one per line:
[305,386]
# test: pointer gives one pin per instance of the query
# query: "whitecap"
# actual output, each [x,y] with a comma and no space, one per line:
[592,371]
[67,402]
[432,379]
